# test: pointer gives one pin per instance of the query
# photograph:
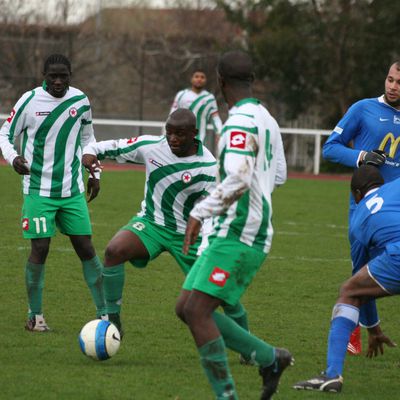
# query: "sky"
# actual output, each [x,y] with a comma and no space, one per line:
[78,10]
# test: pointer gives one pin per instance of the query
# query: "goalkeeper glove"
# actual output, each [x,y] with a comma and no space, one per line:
[374,157]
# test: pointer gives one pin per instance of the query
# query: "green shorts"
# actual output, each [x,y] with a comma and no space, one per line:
[41,215]
[157,239]
[225,269]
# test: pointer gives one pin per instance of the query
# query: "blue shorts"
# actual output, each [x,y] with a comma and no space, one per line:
[385,271]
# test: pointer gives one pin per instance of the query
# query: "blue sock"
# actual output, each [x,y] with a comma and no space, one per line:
[344,320]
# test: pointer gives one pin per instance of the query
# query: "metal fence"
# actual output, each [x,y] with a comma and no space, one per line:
[302,146]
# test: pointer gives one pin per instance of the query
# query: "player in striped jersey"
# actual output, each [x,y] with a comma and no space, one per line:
[251,163]
[179,172]
[55,121]
[201,102]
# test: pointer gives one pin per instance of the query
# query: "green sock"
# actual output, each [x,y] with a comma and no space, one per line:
[34,280]
[113,282]
[92,271]
[243,342]
[238,313]
[215,364]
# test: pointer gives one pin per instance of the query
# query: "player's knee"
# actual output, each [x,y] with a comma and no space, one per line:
[346,290]
[190,313]
[179,311]
[115,254]
[39,251]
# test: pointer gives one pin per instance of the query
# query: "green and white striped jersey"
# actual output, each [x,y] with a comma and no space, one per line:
[251,163]
[204,107]
[173,184]
[53,130]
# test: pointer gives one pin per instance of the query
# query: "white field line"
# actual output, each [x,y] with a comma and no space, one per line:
[279,258]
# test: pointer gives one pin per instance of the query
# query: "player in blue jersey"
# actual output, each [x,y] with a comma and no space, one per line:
[375,237]
[372,127]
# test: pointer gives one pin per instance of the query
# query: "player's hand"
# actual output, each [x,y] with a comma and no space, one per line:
[376,340]
[20,165]
[93,188]
[192,232]
[374,157]
[92,164]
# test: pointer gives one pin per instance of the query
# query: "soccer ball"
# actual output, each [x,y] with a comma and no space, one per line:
[99,339]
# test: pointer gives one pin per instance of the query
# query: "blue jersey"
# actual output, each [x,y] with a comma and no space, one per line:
[369,124]
[375,222]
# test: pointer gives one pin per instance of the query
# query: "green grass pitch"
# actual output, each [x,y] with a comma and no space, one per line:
[289,304]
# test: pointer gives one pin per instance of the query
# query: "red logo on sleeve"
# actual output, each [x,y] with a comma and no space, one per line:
[238,140]
[132,140]
[10,118]
[25,224]
[219,276]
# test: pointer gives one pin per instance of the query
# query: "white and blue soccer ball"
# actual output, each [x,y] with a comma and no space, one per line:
[99,339]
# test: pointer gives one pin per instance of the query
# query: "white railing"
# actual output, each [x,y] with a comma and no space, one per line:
[316,133]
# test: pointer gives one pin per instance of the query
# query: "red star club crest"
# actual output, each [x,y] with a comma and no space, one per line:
[186,177]
[73,112]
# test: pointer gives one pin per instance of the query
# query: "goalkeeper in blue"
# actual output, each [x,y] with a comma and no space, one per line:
[369,133]
[375,237]
[179,172]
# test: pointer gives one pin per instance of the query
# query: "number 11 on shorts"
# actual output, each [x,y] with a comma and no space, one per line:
[37,222]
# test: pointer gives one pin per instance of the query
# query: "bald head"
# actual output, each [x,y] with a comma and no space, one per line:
[181,132]
[236,67]
[182,118]
[364,179]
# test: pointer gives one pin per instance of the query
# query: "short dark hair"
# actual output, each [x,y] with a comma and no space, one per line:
[397,64]
[236,66]
[194,70]
[56,59]
[366,178]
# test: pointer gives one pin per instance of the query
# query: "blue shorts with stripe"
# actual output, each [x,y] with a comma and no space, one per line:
[385,269]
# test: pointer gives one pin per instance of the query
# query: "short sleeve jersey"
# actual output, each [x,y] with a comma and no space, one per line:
[375,222]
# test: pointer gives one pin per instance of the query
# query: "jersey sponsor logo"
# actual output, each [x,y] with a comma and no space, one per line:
[132,140]
[338,130]
[156,163]
[25,224]
[73,112]
[393,143]
[396,119]
[42,113]
[186,177]
[219,276]
[10,118]
[238,140]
